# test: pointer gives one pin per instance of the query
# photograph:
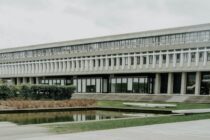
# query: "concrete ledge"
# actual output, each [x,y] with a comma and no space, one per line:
[143,97]
[86,109]
[191,111]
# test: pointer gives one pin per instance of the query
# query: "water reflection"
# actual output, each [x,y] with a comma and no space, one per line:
[49,117]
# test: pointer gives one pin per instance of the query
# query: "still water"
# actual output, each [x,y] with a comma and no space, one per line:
[67,116]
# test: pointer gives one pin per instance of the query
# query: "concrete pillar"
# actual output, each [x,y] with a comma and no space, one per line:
[181,58]
[157,83]
[167,60]
[174,60]
[73,65]
[13,81]
[197,83]
[134,61]
[189,59]
[205,57]
[31,80]
[183,83]
[24,80]
[147,57]
[107,62]
[129,62]
[160,60]
[117,63]
[154,60]
[112,63]
[141,61]
[196,58]
[37,80]
[170,83]
[82,64]
[18,81]
[91,64]
[68,65]
[123,62]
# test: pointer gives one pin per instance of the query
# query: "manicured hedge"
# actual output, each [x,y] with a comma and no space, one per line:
[36,92]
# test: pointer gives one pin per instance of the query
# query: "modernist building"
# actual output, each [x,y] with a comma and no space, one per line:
[167,61]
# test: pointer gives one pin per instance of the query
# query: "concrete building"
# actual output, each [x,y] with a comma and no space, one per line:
[166,61]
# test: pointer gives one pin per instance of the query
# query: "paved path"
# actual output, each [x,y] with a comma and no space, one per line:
[11,131]
[193,130]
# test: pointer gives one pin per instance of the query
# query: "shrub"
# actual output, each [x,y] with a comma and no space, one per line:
[5,92]
[36,92]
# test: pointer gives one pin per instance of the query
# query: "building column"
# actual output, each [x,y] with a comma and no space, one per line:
[13,81]
[107,63]
[154,60]
[157,83]
[31,80]
[102,63]
[196,57]
[141,61]
[167,59]
[160,60]
[189,59]
[123,62]
[24,80]
[77,64]
[117,62]
[174,60]
[73,64]
[18,81]
[134,61]
[183,83]
[205,57]
[197,83]
[37,80]
[170,83]
[129,62]
[181,58]
[112,62]
[147,59]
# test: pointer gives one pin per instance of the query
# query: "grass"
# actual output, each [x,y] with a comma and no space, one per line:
[130,122]
[178,107]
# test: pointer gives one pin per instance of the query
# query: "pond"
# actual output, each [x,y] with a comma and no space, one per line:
[66,116]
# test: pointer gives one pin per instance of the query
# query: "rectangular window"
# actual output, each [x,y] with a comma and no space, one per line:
[126,60]
[115,61]
[201,56]
[110,62]
[178,58]
[170,58]
[120,61]
[208,56]
[138,60]
[144,60]
[157,59]
[193,57]
[164,58]
[185,57]
[150,59]
[132,60]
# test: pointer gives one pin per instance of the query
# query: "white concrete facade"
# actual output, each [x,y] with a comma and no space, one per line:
[178,50]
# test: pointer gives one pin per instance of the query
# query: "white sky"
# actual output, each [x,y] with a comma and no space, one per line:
[27,22]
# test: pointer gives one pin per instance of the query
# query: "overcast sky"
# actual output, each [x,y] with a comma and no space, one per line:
[27,22]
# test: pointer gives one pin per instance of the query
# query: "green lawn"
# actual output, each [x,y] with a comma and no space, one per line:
[129,122]
[179,105]
[111,124]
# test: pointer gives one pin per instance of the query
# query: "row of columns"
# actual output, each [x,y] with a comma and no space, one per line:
[85,64]
[25,80]
[183,83]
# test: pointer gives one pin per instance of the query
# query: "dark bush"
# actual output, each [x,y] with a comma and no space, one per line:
[5,92]
[36,92]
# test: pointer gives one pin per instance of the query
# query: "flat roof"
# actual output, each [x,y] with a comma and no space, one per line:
[183,29]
